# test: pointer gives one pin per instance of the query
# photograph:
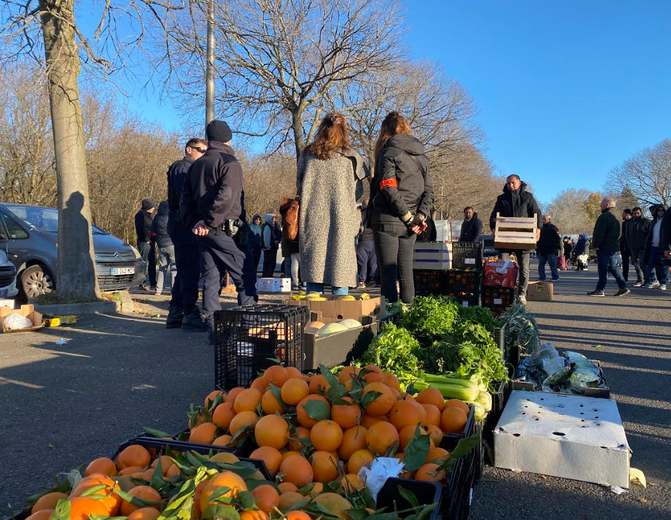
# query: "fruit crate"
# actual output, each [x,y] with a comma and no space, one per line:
[499,400]
[498,299]
[425,492]
[465,299]
[429,282]
[248,340]
[467,255]
[462,280]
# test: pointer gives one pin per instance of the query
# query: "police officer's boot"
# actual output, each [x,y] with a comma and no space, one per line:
[194,322]
[175,316]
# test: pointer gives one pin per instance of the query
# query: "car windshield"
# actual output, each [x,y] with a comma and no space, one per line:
[42,219]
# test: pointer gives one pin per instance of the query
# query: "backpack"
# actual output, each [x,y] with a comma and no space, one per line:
[289,210]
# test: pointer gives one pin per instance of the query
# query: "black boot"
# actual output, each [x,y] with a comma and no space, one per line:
[194,322]
[175,315]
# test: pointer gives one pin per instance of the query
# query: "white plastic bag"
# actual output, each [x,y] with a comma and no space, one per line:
[17,322]
[380,470]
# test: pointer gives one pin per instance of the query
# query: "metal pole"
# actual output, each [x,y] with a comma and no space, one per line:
[209,72]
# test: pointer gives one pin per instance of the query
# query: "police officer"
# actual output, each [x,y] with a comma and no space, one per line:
[212,205]
[183,311]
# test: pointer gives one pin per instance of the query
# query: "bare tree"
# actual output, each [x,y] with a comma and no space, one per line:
[646,174]
[276,59]
[568,212]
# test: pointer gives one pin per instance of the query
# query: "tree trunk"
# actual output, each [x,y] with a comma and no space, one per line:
[297,125]
[76,274]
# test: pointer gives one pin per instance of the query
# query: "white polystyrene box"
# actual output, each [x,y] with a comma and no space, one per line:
[281,285]
[569,436]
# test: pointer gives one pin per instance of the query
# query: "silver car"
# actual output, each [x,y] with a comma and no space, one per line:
[28,234]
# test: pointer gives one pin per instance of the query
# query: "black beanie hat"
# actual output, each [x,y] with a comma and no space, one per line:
[219,131]
[147,204]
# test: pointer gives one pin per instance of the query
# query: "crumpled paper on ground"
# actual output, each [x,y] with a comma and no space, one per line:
[380,470]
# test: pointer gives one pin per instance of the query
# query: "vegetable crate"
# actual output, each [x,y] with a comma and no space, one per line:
[462,280]
[467,255]
[498,299]
[429,282]
[249,339]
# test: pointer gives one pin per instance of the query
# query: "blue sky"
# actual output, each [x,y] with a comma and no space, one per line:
[566,89]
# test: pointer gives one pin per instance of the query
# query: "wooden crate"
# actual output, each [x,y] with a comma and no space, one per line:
[515,233]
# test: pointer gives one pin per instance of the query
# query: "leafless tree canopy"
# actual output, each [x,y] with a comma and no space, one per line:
[568,210]
[647,175]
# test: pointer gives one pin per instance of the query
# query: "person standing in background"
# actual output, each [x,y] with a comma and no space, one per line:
[143,220]
[654,251]
[290,248]
[547,247]
[271,236]
[624,248]
[166,249]
[365,252]
[637,234]
[255,239]
[471,228]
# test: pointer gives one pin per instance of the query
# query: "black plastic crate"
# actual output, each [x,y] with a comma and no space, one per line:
[429,282]
[425,492]
[500,339]
[467,255]
[498,299]
[247,340]
[499,400]
[466,299]
[461,280]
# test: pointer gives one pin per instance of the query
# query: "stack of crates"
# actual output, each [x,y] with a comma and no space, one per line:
[430,262]
[462,282]
[499,286]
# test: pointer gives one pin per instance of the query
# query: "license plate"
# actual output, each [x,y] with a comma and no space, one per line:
[122,270]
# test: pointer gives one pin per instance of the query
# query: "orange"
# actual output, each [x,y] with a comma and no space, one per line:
[286,487]
[247,400]
[242,419]
[391,381]
[144,513]
[270,405]
[233,393]
[294,390]
[351,483]
[346,415]
[353,439]
[317,488]
[48,501]
[436,433]
[42,514]
[212,396]
[272,430]
[432,415]
[347,374]
[295,443]
[83,507]
[429,473]
[370,420]
[358,460]
[103,465]
[270,456]
[420,409]
[382,403]
[254,515]
[404,413]
[275,374]
[166,463]
[224,478]
[381,436]
[267,497]
[204,433]
[453,420]
[223,415]
[437,454]
[324,466]
[259,384]
[431,396]
[407,433]
[196,499]
[222,440]
[173,471]
[297,515]
[288,454]
[111,500]
[318,385]
[302,415]
[130,470]
[288,499]
[457,404]
[334,503]
[326,435]
[134,455]
[143,493]
[375,376]
[297,470]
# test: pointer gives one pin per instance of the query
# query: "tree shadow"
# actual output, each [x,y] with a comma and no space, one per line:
[77,270]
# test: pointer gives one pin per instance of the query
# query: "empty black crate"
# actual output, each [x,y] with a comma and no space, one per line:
[426,493]
[467,255]
[248,340]
[461,280]
[429,282]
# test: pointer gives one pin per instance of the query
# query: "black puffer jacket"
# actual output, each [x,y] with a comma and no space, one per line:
[526,206]
[549,242]
[402,182]
[637,232]
[159,227]
[471,230]
[606,232]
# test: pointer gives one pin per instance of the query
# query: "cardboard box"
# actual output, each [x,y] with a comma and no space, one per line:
[500,274]
[432,255]
[26,310]
[273,285]
[540,291]
[334,310]
[337,349]
[576,437]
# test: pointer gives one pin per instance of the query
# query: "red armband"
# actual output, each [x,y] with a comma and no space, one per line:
[388,183]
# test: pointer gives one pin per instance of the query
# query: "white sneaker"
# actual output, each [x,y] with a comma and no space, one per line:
[652,285]
[522,299]
[662,287]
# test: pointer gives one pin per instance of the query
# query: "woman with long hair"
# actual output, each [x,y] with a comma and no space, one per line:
[402,199]
[328,184]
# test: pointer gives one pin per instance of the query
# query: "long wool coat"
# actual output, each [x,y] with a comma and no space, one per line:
[328,217]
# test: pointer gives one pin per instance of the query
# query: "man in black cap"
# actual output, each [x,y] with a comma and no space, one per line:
[143,220]
[183,311]
[212,205]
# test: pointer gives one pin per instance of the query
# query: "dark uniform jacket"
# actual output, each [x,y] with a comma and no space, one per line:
[606,232]
[176,175]
[471,230]
[523,205]
[213,188]
[637,232]
[143,226]
[159,227]
[549,241]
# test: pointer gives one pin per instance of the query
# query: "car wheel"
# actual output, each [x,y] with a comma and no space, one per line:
[36,281]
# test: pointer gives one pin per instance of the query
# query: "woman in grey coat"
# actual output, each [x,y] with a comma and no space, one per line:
[328,184]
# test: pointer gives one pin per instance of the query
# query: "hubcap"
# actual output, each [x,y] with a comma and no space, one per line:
[37,283]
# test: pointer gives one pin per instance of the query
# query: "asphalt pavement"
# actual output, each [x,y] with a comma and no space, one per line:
[64,404]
